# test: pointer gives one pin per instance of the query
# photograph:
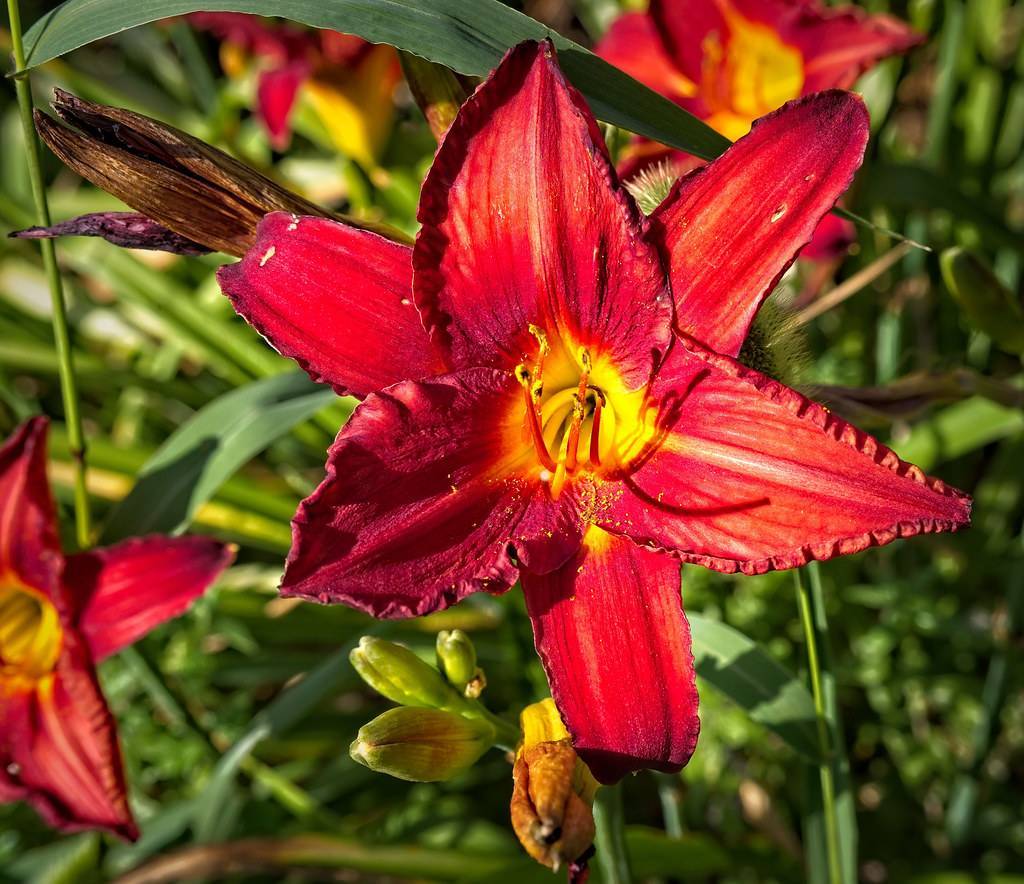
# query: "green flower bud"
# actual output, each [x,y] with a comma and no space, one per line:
[401,676]
[422,745]
[988,305]
[456,657]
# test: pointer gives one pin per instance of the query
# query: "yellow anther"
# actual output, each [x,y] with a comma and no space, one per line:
[542,339]
[522,374]
[537,390]
[585,360]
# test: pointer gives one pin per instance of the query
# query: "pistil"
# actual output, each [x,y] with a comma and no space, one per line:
[579,412]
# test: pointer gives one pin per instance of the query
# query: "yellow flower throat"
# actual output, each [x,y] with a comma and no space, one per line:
[574,414]
[30,635]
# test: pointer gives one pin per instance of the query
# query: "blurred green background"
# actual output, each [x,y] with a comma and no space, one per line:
[926,635]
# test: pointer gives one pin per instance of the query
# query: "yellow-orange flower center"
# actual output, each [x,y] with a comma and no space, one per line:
[30,635]
[748,74]
[578,416]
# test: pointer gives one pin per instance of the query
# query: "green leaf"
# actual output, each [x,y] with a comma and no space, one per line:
[469,37]
[62,862]
[695,855]
[290,706]
[987,303]
[734,665]
[204,452]
[958,430]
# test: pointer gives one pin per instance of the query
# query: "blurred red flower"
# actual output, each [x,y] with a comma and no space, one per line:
[347,80]
[558,399]
[729,62]
[60,616]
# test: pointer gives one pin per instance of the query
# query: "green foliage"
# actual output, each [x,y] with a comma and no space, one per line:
[234,720]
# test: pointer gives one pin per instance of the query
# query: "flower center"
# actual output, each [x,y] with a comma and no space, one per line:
[573,425]
[30,634]
[753,73]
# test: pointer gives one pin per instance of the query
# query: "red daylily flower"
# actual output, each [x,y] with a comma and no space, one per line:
[729,62]
[348,81]
[60,616]
[557,399]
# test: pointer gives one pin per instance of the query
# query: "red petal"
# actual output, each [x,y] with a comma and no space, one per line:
[832,239]
[610,630]
[58,748]
[253,34]
[427,500]
[29,546]
[124,591]
[634,45]
[683,25]
[275,97]
[523,222]
[335,299]
[751,476]
[839,44]
[731,228]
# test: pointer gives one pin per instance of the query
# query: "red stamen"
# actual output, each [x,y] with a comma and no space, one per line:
[533,419]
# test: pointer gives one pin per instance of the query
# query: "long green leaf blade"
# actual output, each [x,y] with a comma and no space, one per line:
[203,453]
[469,36]
[734,665]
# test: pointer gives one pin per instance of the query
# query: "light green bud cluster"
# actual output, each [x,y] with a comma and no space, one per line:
[422,745]
[395,672]
[439,729]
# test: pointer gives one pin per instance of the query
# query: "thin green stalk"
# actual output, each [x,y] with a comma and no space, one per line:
[610,841]
[828,790]
[507,734]
[670,794]
[61,336]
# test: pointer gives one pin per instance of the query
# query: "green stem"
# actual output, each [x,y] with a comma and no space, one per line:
[828,791]
[670,794]
[61,336]
[610,840]
[507,734]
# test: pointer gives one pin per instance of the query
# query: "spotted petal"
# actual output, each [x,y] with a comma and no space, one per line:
[335,299]
[730,229]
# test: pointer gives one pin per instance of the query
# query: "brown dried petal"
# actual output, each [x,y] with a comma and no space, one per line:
[129,230]
[179,181]
[552,822]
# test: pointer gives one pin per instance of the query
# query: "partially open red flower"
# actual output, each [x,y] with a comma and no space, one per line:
[558,400]
[731,61]
[59,616]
